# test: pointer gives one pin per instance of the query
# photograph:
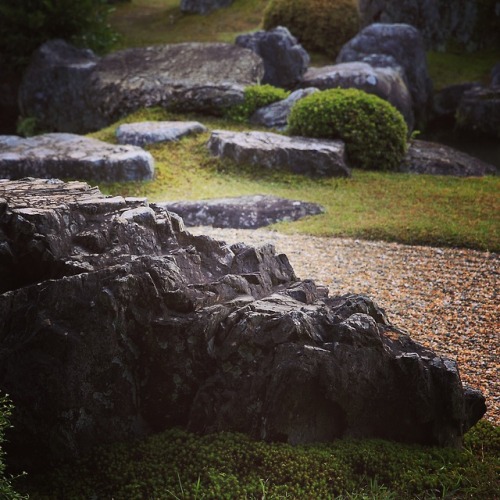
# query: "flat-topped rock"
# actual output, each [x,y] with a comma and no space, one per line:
[425,157]
[71,156]
[299,155]
[142,133]
[244,212]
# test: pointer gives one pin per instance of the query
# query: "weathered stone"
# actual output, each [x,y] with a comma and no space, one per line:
[447,100]
[495,75]
[479,111]
[431,158]
[53,89]
[116,323]
[203,6]
[300,155]
[142,133]
[203,77]
[404,43]
[244,212]
[276,114]
[285,60]
[69,90]
[387,83]
[439,21]
[71,156]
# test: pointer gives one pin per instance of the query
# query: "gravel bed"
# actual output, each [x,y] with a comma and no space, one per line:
[445,298]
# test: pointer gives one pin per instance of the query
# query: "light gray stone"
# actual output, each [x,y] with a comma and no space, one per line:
[142,133]
[386,83]
[70,156]
[276,114]
[300,155]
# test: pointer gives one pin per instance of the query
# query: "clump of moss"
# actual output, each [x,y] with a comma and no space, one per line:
[374,132]
[320,25]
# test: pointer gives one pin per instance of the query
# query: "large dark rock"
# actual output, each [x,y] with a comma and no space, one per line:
[71,156]
[203,6]
[244,212]
[495,75]
[447,100]
[285,60]
[116,323]
[405,45]
[386,83]
[70,90]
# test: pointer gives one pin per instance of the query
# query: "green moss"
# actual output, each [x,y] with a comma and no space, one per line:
[374,132]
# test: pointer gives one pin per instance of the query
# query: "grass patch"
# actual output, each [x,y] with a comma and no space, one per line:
[177,464]
[408,208]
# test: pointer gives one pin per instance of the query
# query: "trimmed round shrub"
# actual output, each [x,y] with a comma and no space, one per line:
[255,97]
[374,132]
[320,25]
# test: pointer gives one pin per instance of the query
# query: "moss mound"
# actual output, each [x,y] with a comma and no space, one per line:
[320,25]
[373,130]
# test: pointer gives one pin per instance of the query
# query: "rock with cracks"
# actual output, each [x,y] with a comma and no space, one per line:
[300,155]
[116,323]
[244,212]
[71,156]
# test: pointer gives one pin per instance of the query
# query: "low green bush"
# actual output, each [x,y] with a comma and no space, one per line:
[320,25]
[374,132]
[255,97]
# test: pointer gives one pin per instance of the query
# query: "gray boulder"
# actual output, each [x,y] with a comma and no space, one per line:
[495,75]
[244,212]
[447,100]
[479,112]
[299,155]
[140,326]
[387,83]
[142,133]
[71,156]
[405,45]
[54,89]
[276,114]
[203,6]
[66,89]
[285,60]
[425,157]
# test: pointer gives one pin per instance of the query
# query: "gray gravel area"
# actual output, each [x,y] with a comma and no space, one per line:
[445,298]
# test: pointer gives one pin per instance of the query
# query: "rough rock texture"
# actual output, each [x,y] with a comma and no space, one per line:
[53,89]
[69,90]
[495,75]
[203,6]
[285,60]
[300,155]
[431,158]
[71,156]
[440,21]
[404,43]
[479,111]
[142,133]
[276,114]
[387,83]
[447,100]
[139,325]
[244,212]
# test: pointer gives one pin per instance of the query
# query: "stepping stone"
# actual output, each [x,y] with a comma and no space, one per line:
[301,155]
[245,212]
[142,133]
[70,156]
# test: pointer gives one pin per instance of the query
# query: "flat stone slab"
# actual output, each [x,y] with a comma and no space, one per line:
[425,157]
[301,155]
[244,212]
[142,133]
[70,156]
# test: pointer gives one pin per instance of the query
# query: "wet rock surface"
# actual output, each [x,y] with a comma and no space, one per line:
[71,156]
[244,212]
[142,133]
[116,323]
[300,155]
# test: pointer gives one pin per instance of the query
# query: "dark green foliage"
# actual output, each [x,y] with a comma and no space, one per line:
[256,96]
[26,24]
[177,464]
[373,130]
[320,25]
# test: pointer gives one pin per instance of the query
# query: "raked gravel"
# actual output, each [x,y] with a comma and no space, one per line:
[445,298]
